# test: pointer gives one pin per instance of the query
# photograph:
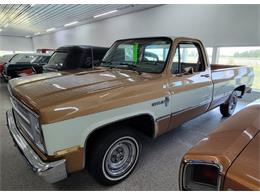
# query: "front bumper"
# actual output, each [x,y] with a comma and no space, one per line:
[49,171]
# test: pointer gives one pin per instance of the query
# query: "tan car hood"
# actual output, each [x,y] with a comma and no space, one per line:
[244,173]
[229,139]
[54,90]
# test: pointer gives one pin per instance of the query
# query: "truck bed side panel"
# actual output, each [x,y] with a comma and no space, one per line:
[226,79]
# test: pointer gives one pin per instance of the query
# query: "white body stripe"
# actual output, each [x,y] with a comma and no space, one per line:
[73,132]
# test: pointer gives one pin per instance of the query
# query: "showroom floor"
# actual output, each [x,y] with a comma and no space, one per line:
[156,170]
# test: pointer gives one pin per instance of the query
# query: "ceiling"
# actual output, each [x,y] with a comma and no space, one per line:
[30,19]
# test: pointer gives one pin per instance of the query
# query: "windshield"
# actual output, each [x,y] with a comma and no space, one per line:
[57,60]
[41,59]
[23,58]
[6,58]
[142,55]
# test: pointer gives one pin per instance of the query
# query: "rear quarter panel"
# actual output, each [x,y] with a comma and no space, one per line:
[225,80]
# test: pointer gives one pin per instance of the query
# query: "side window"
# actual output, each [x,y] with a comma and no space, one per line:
[187,59]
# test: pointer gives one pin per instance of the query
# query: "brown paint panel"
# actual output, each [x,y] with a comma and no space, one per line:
[244,173]
[162,125]
[183,116]
[74,160]
[88,93]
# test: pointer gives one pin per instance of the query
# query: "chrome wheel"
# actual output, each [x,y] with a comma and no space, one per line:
[120,158]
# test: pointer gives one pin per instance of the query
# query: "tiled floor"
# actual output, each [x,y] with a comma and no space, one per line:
[157,168]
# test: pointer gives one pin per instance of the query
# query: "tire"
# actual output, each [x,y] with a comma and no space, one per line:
[113,155]
[228,108]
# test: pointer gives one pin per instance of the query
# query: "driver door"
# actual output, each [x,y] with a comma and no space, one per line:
[190,83]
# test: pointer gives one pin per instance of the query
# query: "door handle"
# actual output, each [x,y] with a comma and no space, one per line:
[205,75]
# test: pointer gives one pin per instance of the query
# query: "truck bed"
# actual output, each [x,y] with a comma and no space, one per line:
[226,78]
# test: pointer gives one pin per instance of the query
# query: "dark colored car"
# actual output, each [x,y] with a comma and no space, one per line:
[23,64]
[75,58]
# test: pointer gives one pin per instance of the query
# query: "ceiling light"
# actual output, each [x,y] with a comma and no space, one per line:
[0,29]
[27,36]
[38,33]
[32,5]
[70,24]
[6,25]
[50,29]
[99,15]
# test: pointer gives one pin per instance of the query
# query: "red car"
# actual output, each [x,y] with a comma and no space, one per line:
[3,60]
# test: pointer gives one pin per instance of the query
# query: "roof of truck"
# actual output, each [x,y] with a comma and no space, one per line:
[83,47]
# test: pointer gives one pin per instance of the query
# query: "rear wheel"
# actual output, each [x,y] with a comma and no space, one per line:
[113,155]
[228,108]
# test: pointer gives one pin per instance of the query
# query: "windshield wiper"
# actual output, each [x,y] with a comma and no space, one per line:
[132,67]
[108,64]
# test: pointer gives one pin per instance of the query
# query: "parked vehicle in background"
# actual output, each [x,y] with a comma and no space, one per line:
[22,62]
[93,119]
[3,60]
[75,58]
[229,158]
[36,65]
[45,50]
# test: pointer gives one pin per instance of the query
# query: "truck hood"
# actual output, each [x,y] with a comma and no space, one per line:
[45,90]
[229,139]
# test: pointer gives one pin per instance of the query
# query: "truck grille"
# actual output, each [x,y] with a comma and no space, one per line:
[22,117]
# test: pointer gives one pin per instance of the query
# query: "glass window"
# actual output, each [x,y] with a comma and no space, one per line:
[57,60]
[187,56]
[23,58]
[6,58]
[41,59]
[142,55]
[242,56]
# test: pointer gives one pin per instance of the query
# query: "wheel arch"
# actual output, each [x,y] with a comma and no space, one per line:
[242,89]
[144,123]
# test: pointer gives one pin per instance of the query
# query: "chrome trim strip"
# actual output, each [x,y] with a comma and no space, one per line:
[187,109]
[49,171]
[19,112]
[163,117]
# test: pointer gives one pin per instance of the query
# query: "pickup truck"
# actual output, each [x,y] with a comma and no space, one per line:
[93,119]
[228,158]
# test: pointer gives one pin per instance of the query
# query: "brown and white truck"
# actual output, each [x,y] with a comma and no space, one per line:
[92,119]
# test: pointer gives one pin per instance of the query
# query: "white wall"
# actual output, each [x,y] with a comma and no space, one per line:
[11,43]
[215,25]
[258,19]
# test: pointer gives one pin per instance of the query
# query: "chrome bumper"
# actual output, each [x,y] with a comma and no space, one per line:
[49,171]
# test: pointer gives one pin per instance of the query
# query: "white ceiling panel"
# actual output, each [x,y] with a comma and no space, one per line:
[29,19]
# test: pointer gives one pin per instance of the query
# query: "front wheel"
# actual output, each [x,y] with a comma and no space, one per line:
[114,155]
[228,108]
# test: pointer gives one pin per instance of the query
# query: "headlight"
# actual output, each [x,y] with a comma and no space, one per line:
[200,176]
[37,133]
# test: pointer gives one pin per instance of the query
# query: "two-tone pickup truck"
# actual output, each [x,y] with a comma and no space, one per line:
[92,119]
